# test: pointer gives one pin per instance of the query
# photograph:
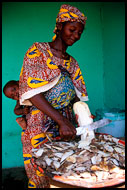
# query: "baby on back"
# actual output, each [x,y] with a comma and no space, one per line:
[11,90]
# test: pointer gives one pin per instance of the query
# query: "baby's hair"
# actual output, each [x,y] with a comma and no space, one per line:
[9,84]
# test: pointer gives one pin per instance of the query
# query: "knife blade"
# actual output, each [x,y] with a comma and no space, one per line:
[92,126]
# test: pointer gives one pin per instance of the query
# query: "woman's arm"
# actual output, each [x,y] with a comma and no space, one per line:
[66,129]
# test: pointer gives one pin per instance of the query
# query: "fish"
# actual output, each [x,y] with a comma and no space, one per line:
[71,159]
[56,164]
[101,159]
[80,169]
[70,167]
[67,154]
[39,152]
[48,160]
[58,154]
[108,148]
[58,148]
[119,150]
[96,159]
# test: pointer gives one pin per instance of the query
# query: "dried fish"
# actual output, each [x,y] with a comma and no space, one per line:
[56,164]
[67,154]
[71,159]
[96,168]
[114,161]
[58,173]
[108,148]
[80,169]
[115,140]
[119,150]
[100,159]
[104,154]
[69,144]
[58,148]
[39,152]
[58,154]
[96,159]
[48,160]
[68,173]
[70,167]
[48,146]
[55,158]
[116,156]
[82,152]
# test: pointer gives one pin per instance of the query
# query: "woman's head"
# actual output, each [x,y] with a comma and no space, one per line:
[70,32]
[69,14]
[11,89]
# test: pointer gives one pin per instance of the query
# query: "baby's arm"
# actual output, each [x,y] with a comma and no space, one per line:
[20,110]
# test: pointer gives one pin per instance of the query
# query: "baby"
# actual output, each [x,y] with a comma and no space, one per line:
[11,90]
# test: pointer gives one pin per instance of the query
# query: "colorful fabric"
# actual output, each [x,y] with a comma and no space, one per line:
[59,80]
[41,72]
[33,137]
[62,93]
[69,13]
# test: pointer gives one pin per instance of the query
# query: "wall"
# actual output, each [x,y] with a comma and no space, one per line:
[26,22]
[114,54]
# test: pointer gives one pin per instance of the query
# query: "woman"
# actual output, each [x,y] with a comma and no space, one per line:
[51,81]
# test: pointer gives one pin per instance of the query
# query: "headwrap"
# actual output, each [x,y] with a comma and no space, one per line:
[69,13]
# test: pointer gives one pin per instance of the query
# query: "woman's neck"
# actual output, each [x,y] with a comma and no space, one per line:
[59,45]
[59,48]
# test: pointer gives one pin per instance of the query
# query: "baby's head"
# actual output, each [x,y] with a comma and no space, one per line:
[11,89]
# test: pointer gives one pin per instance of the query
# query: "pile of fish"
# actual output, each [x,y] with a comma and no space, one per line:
[102,159]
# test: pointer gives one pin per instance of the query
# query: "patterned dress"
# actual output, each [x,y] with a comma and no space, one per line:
[59,80]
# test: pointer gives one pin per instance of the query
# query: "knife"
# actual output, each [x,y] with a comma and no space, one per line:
[92,126]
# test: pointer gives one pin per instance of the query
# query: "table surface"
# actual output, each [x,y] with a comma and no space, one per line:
[55,184]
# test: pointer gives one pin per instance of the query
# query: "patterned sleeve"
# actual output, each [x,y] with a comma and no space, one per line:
[35,76]
[78,81]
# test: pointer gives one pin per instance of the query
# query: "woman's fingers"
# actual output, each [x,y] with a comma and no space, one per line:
[67,134]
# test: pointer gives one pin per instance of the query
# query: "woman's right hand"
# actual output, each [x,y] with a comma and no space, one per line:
[67,130]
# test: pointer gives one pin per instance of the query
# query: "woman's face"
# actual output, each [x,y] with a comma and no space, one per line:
[71,32]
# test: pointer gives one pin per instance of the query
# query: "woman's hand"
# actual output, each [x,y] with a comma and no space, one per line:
[67,130]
